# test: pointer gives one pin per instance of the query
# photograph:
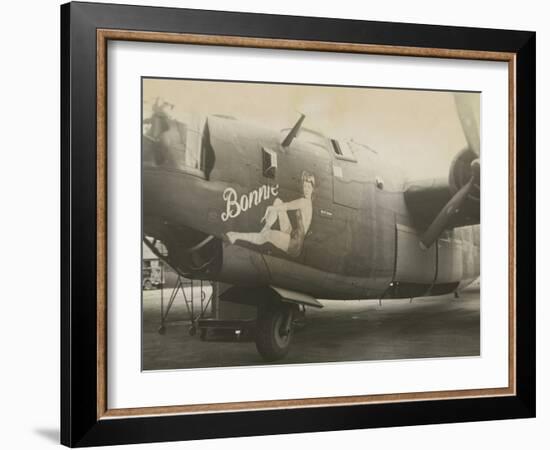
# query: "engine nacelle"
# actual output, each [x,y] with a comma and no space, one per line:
[464,166]
[465,169]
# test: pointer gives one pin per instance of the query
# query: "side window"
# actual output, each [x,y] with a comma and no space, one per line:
[342,151]
[269,162]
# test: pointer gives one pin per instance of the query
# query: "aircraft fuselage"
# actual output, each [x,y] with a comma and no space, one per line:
[340,228]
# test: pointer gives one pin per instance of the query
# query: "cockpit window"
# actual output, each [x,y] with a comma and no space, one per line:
[342,151]
[309,136]
[336,147]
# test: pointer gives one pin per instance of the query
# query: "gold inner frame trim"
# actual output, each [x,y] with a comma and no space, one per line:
[103,36]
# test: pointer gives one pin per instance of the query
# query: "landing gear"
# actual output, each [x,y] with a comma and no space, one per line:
[274,330]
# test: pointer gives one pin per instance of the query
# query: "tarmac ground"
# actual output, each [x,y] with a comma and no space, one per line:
[353,330]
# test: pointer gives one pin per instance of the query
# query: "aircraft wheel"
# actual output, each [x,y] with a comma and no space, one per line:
[273,330]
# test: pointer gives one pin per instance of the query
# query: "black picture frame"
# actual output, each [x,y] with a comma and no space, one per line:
[81,424]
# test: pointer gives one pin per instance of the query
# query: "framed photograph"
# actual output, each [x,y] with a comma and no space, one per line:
[276,224]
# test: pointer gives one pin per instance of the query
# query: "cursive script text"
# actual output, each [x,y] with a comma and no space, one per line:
[235,205]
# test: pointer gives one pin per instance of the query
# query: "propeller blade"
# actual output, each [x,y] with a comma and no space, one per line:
[445,215]
[467,107]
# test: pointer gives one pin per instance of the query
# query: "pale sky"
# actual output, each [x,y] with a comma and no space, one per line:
[418,130]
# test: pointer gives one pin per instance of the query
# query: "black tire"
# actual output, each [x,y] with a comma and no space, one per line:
[272,340]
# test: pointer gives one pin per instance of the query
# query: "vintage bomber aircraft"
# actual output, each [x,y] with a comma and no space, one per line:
[292,216]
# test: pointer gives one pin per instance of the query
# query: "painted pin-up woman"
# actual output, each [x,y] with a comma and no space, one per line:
[288,239]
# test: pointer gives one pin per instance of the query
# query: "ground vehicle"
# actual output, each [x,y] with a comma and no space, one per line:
[152,276]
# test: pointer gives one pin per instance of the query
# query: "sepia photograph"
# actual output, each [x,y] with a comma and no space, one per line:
[300,224]
[281,224]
